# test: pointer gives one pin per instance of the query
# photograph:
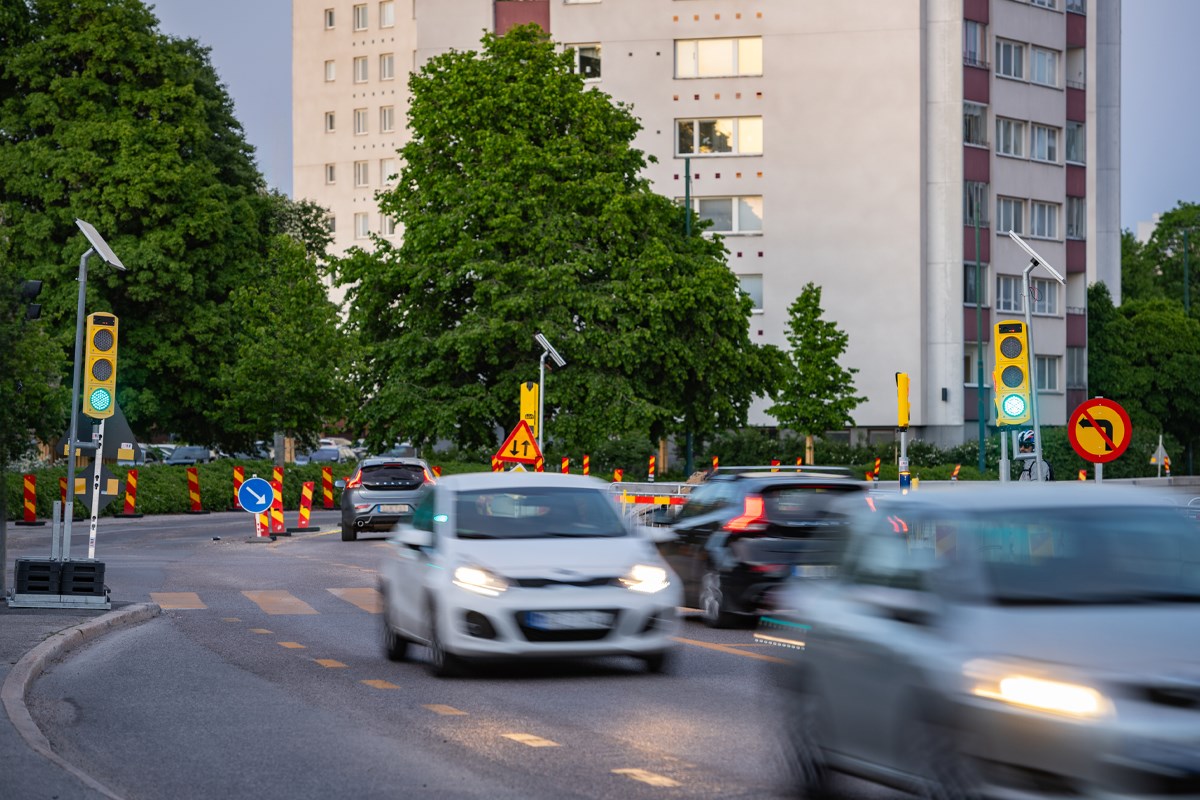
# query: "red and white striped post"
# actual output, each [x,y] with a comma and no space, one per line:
[239,477]
[29,508]
[193,479]
[306,497]
[130,510]
[775,465]
[566,466]
[650,470]
[327,486]
[799,461]
[277,525]
[587,464]
[875,474]
[539,465]
[716,463]
[618,475]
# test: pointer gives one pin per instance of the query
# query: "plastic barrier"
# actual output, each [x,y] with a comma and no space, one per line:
[239,477]
[130,509]
[193,478]
[650,472]
[587,464]
[306,497]
[618,475]
[566,466]
[327,486]
[29,512]
[277,526]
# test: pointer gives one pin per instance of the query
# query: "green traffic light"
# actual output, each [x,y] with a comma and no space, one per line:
[100,400]
[1013,405]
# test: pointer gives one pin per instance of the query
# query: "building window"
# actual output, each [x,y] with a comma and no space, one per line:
[360,17]
[975,203]
[718,58]
[1043,220]
[330,70]
[331,173]
[387,119]
[975,292]
[1076,143]
[1076,218]
[329,19]
[387,171]
[587,61]
[975,124]
[330,122]
[388,226]
[1045,144]
[1076,367]
[1044,3]
[728,136]
[361,173]
[1046,368]
[1077,6]
[1010,214]
[730,214]
[971,363]
[1010,59]
[362,225]
[387,67]
[974,44]
[360,121]
[1009,293]
[752,285]
[1045,296]
[331,223]
[387,14]
[1010,137]
[1045,67]
[360,69]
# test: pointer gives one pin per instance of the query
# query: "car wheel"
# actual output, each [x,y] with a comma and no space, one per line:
[804,764]
[395,646]
[942,771]
[348,533]
[657,663]
[441,663]
[713,606]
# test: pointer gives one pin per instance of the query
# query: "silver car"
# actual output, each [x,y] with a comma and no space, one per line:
[1028,641]
[382,492]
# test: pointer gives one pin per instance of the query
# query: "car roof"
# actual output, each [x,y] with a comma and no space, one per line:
[1027,496]
[482,481]
[783,470]
[375,461]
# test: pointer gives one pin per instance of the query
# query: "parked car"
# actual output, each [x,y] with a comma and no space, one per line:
[742,533]
[188,455]
[1027,641]
[259,451]
[327,454]
[525,565]
[382,492]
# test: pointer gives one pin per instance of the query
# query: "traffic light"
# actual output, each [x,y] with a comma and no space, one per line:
[29,292]
[902,400]
[100,366]
[1011,378]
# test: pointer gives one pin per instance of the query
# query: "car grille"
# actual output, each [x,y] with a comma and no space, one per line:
[542,583]
[581,635]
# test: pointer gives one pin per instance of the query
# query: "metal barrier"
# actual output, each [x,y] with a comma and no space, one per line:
[641,500]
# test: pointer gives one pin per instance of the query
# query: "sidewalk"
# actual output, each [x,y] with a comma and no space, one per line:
[29,639]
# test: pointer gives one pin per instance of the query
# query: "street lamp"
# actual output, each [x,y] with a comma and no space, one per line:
[547,350]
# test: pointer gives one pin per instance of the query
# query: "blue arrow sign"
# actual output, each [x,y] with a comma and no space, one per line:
[255,495]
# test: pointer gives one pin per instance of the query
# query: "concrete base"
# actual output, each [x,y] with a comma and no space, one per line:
[260,540]
[34,523]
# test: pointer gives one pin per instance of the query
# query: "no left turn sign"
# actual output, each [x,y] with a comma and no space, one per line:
[1099,430]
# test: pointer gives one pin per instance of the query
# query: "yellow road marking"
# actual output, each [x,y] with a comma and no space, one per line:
[380,684]
[368,600]
[279,602]
[292,645]
[530,740]
[646,777]
[168,600]
[329,662]
[259,630]
[445,711]
[724,648]
[230,619]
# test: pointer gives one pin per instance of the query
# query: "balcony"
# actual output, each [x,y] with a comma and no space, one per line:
[985,242]
[1076,327]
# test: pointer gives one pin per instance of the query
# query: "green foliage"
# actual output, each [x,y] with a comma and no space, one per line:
[818,393]
[524,211]
[1155,270]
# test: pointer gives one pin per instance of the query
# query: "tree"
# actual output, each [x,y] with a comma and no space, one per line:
[817,393]
[1139,280]
[1163,256]
[524,211]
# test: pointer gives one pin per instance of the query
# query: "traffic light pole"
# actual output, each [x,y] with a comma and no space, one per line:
[1036,470]
[76,372]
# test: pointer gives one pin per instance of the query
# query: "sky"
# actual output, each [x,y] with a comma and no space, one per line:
[1160,165]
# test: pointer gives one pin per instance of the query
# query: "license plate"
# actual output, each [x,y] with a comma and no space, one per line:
[568,620]
[814,570]
[395,508]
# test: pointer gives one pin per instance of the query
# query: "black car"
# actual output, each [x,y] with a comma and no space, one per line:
[381,492]
[189,455]
[742,533]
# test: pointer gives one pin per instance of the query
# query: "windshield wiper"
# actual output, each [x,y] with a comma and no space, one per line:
[476,535]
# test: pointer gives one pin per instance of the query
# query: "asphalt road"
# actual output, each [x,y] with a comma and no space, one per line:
[264,678]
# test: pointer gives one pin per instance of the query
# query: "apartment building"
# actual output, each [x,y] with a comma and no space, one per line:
[854,145]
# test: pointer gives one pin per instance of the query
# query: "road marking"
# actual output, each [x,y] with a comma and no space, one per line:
[724,648]
[530,740]
[173,600]
[259,630]
[646,777]
[329,662]
[277,602]
[368,599]
[230,619]
[445,711]
[376,684]
[292,645]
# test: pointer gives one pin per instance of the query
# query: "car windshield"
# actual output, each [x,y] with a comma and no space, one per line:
[536,513]
[397,473]
[324,454]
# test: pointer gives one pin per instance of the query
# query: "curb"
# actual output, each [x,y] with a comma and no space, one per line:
[33,663]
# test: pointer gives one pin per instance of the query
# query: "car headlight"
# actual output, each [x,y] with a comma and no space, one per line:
[480,581]
[646,578]
[1027,686]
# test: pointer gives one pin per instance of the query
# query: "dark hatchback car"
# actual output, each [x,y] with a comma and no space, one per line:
[741,534]
[381,492]
[190,455]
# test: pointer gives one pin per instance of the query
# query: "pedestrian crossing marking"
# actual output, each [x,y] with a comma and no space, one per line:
[645,776]
[292,645]
[367,599]
[277,602]
[177,600]
[329,662]
[259,630]
[530,740]
[445,711]
[378,684]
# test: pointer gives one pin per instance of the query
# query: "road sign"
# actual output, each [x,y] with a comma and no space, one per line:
[520,447]
[256,495]
[529,405]
[1099,430]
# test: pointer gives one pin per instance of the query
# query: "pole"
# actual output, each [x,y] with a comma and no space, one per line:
[981,390]
[1187,290]
[1036,471]
[69,508]
[541,399]
[689,449]
[1005,469]
[3,528]
[97,465]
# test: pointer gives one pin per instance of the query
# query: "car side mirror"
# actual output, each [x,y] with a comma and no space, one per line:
[656,534]
[903,605]
[339,483]
[414,537]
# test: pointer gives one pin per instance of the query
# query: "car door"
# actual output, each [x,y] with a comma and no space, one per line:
[410,565]
[701,516]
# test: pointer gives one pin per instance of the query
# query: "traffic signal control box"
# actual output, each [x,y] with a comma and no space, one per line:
[1011,377]
[100,366]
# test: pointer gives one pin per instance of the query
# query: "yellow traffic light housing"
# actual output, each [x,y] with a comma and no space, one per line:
[100,366]
[1011,377]
[902,404]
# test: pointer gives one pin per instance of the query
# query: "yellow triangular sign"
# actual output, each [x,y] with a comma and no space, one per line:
[520,447]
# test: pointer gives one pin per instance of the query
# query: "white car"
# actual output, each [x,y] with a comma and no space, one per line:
[517,565]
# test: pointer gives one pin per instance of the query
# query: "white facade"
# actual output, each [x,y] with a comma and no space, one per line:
[847,162]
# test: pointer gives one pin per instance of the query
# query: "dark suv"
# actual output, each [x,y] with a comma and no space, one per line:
[381,492]
[742,533]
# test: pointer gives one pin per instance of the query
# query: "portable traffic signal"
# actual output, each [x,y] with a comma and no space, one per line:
[100,366]
[1011,342]
[902,400]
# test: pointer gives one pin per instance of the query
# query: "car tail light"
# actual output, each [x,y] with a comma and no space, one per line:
[429,477]
[356,481]
[753,517]
[768,569]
